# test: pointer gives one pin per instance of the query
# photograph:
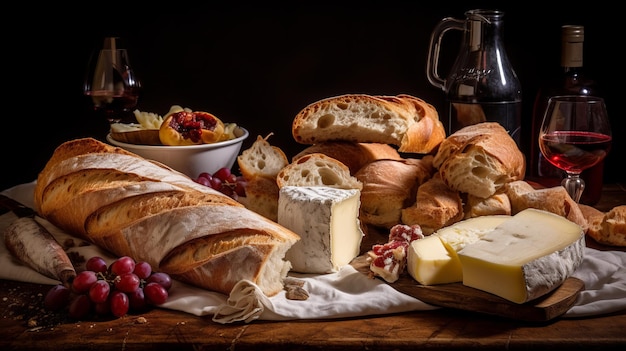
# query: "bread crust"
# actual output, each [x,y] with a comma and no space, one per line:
[317,170]
[480,159]
[403,120]
[352,154]
[131,206]
[389,186]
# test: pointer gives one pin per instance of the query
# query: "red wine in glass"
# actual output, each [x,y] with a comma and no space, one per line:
[575,135]
[111,86]
[574,151]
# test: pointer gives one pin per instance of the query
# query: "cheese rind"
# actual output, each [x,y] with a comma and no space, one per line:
[525,257]
[327,220]
[433,260]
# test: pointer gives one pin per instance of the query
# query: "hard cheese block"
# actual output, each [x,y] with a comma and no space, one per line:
[433,260]
[525,257]
[327,220]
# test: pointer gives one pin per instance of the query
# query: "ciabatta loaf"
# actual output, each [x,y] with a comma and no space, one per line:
[405,121]
[143,209]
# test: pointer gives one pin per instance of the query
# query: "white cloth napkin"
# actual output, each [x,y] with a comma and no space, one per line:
[347,293]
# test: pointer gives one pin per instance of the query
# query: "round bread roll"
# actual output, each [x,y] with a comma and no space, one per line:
[389,186]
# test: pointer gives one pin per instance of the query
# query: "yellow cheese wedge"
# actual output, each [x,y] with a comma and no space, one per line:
[525,257]
[433,260]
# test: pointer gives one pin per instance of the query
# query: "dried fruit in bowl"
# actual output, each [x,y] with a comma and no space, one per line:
[184,127]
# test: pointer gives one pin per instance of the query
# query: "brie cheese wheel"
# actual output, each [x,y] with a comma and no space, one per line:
[525,257]
[434,260]
[327,220]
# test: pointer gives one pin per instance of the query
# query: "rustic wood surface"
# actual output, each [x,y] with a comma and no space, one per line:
[23,326]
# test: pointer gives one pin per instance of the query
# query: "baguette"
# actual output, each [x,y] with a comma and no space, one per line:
[145,210]
[405,121]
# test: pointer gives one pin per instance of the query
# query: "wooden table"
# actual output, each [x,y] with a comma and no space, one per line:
[161,329]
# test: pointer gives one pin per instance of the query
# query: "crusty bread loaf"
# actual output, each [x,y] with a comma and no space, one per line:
[353,155]
[405,121]
[556,200]
[131,206]
[607,228]
[317,170]
[389,186]
[480,159]
[436,206]
[496,204]
[261,160]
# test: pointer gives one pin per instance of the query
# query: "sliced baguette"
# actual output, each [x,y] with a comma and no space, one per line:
[405,121]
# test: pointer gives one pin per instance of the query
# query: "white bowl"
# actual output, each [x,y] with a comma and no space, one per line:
[193,159]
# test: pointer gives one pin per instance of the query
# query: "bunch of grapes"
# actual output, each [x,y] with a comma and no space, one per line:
[110,290]
[224,181]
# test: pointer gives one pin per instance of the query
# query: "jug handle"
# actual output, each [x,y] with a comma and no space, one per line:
[432,64]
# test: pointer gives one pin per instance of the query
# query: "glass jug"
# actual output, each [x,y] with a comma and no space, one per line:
[482,85]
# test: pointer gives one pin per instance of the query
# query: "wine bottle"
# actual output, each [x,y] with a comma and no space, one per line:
[572,80]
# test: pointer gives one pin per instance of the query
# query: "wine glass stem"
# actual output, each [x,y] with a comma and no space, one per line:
[574,185]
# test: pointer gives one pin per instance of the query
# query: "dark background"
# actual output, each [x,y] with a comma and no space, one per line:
[258,66]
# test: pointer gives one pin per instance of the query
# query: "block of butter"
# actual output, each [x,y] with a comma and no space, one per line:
[327,220]
[524,257]
[434,260]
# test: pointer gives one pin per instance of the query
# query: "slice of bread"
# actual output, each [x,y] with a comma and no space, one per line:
[317,170]
[261,160]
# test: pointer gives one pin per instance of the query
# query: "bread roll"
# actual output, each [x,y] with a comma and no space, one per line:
[480,159]
[436,206]
[405,121]
[606,228]
[556,200]
[353,155]
[389,186]
[135,207]
[496,204]
[317,170]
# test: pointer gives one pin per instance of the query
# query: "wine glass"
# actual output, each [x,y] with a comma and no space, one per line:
[575,135]
[111,85]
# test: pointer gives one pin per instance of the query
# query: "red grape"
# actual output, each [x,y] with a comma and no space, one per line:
[136,299]
[155,293]
[160,278]
[119,303]
[127,282]
[102,308]
[143,269]
[80,306]
[57,298]
[123,265]
[99,291]
[222,174]
[96,264]
[83,281]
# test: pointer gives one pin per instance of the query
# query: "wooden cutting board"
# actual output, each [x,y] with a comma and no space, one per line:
[459,296]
